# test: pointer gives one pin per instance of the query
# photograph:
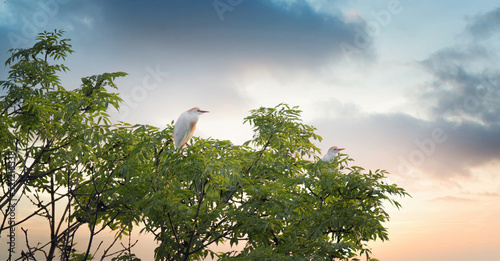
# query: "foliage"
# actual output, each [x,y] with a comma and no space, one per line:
[272,195]
[80,257]
[53,137]
[265,194]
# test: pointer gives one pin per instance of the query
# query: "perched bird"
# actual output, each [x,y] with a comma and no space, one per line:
[332,153]
[185,125]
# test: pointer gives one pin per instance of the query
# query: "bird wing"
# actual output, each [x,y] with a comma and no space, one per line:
[192,127]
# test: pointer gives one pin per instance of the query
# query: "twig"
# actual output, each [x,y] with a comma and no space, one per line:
[30,254]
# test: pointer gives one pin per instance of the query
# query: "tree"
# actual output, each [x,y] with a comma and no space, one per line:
[265,194]
[271,194]
[51,143]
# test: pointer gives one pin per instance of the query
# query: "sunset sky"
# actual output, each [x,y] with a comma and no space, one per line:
[412,87]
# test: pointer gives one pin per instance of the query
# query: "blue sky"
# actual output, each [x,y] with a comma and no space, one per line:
[407,86]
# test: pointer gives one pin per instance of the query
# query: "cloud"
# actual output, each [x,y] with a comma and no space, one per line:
[468,196]
[484,26]
[190,36]
[453,199]
[489,194]
[410,147]
[206,57]
[270,33]
[461,130]
[460,101]
[464,85]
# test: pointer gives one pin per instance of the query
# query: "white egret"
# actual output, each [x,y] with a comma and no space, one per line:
[332,153]
[185,126]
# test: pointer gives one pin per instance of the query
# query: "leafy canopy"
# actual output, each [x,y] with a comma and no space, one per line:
[265,194]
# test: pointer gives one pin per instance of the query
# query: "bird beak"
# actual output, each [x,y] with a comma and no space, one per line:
[203,111]
[339,149]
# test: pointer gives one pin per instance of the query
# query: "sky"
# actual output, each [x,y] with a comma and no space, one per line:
[412,87]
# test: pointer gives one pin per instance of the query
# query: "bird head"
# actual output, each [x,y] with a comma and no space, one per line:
[197,110]
[332,153]
[335,149]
